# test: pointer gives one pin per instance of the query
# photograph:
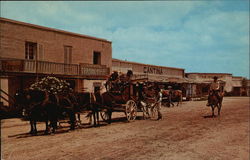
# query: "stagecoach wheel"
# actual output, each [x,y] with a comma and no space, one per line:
[131,110]
[104,115]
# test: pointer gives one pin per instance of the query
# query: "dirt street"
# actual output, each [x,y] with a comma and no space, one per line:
[186,132]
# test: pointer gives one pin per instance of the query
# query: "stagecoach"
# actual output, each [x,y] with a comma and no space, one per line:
[123,97]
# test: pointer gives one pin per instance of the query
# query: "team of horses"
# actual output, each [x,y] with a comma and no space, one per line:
[52,108]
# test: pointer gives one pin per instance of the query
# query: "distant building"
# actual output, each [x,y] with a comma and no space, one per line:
[231,85]
[240,86]
[30,52]
[163,76]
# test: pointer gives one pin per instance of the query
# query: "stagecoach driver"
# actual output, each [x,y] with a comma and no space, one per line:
[214,89]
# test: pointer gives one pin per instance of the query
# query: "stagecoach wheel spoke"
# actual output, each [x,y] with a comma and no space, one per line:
[104,115]
[131,110]
[128,116]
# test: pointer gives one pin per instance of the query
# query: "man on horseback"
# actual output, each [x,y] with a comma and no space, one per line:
[214,90]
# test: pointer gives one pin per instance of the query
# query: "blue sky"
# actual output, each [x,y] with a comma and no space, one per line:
[199,36]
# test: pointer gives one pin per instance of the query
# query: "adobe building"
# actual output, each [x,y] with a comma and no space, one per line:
[233,86]
[240,86]
[152,72]
[161,75]
[29,52]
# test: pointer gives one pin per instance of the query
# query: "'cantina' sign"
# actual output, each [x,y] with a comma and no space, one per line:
[152,70]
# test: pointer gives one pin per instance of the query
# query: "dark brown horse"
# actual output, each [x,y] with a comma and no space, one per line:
[170,96]
[41,106]
[177,96]
[87,102]
[215,101]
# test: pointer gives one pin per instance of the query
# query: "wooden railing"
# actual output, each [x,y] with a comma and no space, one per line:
[44,67]
[4,96]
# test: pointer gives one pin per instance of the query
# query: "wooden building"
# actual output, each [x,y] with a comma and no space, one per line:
[161,75]
[152,72]
[29,52]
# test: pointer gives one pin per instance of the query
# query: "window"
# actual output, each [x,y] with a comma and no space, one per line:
[30,50]
[68,54]
[97,58]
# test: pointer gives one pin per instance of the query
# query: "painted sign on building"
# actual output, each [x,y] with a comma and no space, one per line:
[93,70]
[152,70]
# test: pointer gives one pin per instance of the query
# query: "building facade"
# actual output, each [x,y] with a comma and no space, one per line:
[29,52]
[162,76]
[152,72]
[233,86]
[240,86]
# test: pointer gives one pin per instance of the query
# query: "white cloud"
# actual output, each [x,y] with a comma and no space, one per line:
[188,34]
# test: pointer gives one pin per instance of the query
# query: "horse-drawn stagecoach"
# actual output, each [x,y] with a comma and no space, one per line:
[51,100]
[128,95]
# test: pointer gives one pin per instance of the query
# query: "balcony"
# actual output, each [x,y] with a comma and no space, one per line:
[43,67]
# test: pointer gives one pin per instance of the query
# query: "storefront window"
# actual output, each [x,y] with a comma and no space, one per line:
[30,50]
[97,58]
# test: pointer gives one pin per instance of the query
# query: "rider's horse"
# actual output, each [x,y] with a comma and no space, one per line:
[215,101]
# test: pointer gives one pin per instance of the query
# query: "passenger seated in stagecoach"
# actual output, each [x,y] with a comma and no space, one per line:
[214,89]
[114,76]
[126,78]
[129,75]
[112,82]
